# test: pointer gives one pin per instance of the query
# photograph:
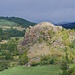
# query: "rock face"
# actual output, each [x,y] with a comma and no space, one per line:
[33,33]
[47,39]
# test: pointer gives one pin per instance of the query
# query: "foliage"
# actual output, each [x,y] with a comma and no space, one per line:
[8,56]
[72,46]
[51,33]
[4,65]
[12,45]
[13,21]
[70,71]
[40,40]
[6,34]
[3,46]
[14,32]
[64,72]
[10,23]
[46,60]
[64,65]
[65,36]
[23,59]
[35,63]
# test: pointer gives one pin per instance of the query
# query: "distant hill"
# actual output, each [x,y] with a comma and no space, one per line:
[15,21]
[13,27]
[68,25]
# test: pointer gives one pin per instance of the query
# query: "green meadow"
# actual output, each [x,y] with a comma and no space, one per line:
[37,70]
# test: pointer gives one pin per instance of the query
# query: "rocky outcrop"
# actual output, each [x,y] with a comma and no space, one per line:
[47,39]
[33,33]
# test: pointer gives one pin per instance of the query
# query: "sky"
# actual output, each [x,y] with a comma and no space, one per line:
[55,11]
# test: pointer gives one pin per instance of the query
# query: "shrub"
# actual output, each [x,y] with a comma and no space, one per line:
[23,59]
[40,40]
[44,63]
[4,65]
[52,61]
[64,72]
[8,56]
[65,36]
[0,39]
[71,71]
[45,57]
[35,63]
[64,65]
[72,44]
[46,60]
[51,33]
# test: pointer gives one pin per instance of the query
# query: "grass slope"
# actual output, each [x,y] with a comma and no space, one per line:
[38,70]
[13,21]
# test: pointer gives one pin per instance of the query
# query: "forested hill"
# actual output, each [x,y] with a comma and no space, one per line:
[68,25]
[13,27]
[15,21]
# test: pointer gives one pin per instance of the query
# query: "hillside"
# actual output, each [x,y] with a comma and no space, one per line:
[46,41]
[13,27]
[70,25]
[15,21]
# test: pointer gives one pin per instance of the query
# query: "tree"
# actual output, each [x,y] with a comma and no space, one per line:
[23,59]
[64,65]
[4,65]
[1,32]
[8,56]
[12,45]
[64,68]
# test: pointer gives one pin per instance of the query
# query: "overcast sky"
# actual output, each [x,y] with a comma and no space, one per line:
[55,11]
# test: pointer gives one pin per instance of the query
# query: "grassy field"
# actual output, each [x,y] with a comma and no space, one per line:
[38,70]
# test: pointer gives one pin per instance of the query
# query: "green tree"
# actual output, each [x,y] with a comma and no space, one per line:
[64,67]
[4,65]
[23,59]
[12,45]
[8,56]
[73,44]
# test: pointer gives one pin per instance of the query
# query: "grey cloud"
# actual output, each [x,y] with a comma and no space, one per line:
[39,10]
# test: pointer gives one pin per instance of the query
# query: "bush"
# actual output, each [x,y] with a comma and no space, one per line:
[52,61]
[73,44]
[64,65]
[23,59]
[71,71]
[40,40]
[12,45]
[0,39]
[4,65]
[35,63]
[64,72]
[8,56]
[44,63]
[65,36]
[51,33]
[46,60]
